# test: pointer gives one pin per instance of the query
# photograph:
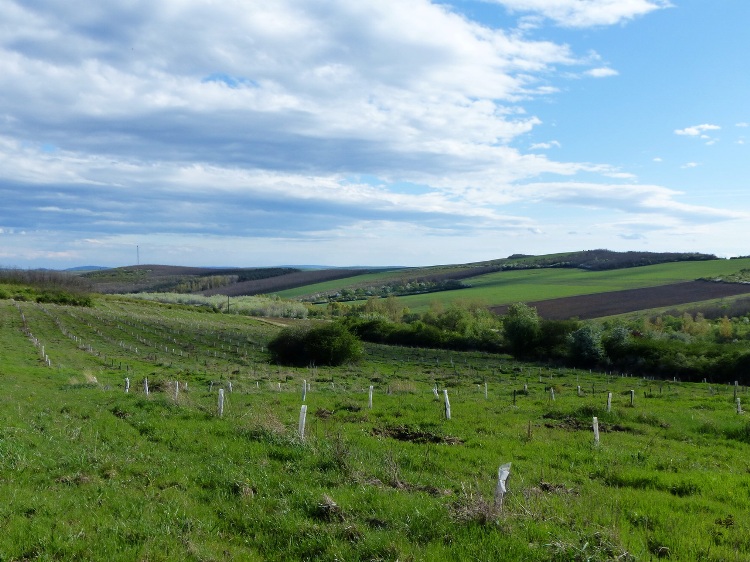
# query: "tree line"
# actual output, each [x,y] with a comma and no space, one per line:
[687,345]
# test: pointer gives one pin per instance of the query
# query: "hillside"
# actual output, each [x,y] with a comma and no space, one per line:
[179,279]
[414,281]
[136,431]
[362,282]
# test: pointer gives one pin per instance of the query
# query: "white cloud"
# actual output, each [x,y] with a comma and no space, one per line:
[658,159]
[632,199]
[690,165]
[697,130]
[289,121]
[602,72]
[586,13]
[743,124]
[545,145]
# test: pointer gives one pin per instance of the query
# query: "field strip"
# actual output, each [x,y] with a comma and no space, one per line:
[631,300]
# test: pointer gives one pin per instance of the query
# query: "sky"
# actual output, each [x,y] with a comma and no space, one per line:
[370,132]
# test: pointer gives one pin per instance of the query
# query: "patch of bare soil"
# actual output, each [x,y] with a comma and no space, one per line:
[413,435]
[284,282]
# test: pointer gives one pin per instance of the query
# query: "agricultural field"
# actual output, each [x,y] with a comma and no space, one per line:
[631,300]
[89,471]
[534,285]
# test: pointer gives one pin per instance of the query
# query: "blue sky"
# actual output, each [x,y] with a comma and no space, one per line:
[375,132]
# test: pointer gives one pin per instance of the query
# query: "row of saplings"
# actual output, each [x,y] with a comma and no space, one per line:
[523,334]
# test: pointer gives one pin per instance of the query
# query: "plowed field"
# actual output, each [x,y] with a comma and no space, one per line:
[632,300]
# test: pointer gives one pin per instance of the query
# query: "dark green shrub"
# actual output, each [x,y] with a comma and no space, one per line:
[331,344]
[521,327]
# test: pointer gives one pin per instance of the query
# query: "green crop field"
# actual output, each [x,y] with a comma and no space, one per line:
[90,472]
[540,284]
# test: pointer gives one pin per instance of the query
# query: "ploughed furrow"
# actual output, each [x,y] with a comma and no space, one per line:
[632,300]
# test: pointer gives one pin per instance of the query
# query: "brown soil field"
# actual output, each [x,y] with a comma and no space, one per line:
[284,282]
[632,300]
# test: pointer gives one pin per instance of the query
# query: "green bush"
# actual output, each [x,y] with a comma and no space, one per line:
[331,344]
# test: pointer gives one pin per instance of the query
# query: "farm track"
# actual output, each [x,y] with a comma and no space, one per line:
[611,303]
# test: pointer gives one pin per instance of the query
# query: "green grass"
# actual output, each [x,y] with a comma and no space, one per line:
[88,472]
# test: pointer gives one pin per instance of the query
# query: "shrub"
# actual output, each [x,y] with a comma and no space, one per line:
[521,329]
[331,344]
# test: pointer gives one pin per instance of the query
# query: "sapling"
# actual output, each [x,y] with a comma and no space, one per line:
[739,406]
[302,418]
[632,397]
[145,385]
[609,402]
[369,401]
[596,430]
[447,404]
[221,402]
[502,478]
[304,390]
[127,385]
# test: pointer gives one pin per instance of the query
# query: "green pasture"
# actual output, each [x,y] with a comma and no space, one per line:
[89,472]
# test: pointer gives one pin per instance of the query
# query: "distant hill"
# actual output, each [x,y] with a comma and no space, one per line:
[171,278]
[597,260]
[365,282]
[85,268]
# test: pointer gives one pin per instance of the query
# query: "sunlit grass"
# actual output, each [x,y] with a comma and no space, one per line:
[90,472]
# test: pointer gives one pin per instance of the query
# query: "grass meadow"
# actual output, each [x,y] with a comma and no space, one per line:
[90,472]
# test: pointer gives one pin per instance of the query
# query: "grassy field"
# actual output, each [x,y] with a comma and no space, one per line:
[89,472]
[539,284]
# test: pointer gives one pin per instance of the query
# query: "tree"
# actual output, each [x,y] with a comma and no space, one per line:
[616,342]
[586,345]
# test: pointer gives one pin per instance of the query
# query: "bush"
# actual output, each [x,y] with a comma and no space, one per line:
[331,344]
[521,327]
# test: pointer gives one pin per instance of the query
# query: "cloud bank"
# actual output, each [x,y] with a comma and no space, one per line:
[189,123]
